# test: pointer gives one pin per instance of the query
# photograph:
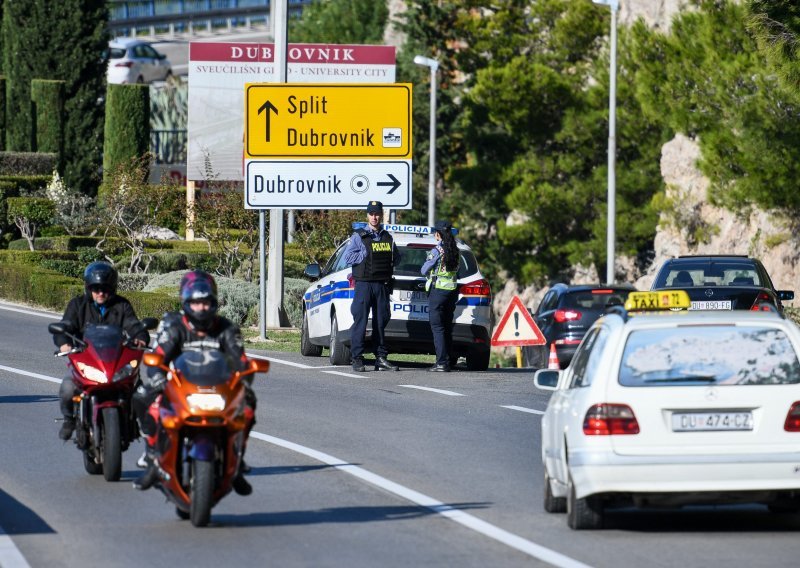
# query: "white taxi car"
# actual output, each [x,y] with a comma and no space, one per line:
[674,408]
[326,304]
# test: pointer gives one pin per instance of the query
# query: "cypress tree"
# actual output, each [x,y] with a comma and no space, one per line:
[48,103]
[127,125]
[63,41]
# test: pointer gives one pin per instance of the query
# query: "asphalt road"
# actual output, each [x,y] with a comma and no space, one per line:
[348,470]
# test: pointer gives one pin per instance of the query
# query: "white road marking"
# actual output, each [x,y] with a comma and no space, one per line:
[465,519]
[341,374]
[29,374]
[439,391]
[281,361]
[29,312]
[523,409]
[10,556]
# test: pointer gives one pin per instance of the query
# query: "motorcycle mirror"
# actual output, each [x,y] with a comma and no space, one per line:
[153,360]
[150,323]
[259,366]
[55,328]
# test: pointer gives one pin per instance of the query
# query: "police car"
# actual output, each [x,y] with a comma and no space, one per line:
[326,304]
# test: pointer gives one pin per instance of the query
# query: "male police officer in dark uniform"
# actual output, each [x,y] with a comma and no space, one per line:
[373,255]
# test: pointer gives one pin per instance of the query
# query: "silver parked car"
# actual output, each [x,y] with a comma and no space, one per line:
[132,60]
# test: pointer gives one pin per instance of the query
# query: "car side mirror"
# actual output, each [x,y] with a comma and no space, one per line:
[546,379]
[313,271]
[786,295]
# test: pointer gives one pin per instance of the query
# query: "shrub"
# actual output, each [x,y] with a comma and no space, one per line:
[71,268]
[29,214]
[127,126]
[15,164]
[48,106]
[132,282]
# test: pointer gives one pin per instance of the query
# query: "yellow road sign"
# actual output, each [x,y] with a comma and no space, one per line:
[339,120]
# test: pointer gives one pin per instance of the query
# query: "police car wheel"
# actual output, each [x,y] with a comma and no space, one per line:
[478,359]
[340,353]
[307,348]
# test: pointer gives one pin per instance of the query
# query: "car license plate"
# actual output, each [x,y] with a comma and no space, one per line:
[410,295]
[712,305]
[710,421]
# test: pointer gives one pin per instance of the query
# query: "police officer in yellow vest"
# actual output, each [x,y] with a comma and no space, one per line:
[441,269]
[373,256]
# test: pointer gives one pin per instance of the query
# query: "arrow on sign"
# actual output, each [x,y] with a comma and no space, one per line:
[394,184]
[268,106]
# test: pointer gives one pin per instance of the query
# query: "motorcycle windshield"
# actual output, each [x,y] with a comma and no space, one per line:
[106,340]
[203,368]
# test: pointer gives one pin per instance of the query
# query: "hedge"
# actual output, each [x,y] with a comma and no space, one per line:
[48,113]
[127,125]
[27,164]
[35,258]
[49,289]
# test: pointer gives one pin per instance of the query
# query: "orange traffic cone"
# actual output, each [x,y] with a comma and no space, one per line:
[552,362]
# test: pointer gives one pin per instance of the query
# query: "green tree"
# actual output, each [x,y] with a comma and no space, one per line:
[776,26]
[63,41]
[340,21]
[30,214]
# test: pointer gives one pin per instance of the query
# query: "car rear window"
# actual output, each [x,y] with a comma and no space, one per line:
[709,355]
[414,258]
[594,299]
[709,274]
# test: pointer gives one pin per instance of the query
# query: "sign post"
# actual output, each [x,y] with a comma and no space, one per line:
[517,328]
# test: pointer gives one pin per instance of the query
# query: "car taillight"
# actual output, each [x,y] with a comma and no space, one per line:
[763,303]
[351,282]
[608,419]
[602,291]
[476,288]
[567,315]
[792,423]
[124,64]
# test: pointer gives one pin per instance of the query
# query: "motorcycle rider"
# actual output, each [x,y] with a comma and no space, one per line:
[197,327]
[99,304]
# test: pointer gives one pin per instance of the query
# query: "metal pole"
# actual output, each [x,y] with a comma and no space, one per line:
[432,151]
[612,149]
[262,280]
[274,297]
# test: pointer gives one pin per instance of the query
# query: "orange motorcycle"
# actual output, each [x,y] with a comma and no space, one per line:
[202,418]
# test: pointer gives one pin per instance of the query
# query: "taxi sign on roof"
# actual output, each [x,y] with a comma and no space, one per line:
[663,300]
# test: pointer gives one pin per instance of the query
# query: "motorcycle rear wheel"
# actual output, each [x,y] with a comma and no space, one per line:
[91,466]
[202,492]
[111,445]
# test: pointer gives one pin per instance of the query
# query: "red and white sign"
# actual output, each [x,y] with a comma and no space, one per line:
[517,327]
[218,73]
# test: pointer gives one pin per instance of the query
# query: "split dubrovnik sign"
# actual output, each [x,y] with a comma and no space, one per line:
[327,146]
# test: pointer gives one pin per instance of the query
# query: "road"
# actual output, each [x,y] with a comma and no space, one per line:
[375,469]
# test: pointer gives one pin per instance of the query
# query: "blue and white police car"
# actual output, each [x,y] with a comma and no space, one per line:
[326,304]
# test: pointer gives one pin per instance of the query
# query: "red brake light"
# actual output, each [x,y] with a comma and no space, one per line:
[763,303]
[608,419]
[792,423]
[567,315]
[124,64]
[476,288]
[602,291]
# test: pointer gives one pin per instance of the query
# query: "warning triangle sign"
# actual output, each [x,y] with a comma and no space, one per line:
[517,327]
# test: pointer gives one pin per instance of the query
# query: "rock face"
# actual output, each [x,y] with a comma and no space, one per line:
[656,13]
[757,234]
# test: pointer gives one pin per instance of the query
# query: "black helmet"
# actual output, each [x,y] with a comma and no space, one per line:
[100,274]
[199,285]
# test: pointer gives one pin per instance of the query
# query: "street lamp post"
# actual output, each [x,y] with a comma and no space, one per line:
[612,141]
[434,65]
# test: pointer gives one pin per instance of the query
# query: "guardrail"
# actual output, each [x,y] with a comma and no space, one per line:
[130,17]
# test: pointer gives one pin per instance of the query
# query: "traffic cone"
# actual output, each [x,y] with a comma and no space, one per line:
[552,362]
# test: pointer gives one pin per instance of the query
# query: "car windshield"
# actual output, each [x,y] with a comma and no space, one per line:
[690,274]
[203,368]
[709,355]
[414,257]
[595,299]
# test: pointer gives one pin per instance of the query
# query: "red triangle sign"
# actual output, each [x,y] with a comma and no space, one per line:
[517,327]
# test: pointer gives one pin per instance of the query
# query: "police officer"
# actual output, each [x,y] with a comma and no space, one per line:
[99,304]
[441,268]
[373,255]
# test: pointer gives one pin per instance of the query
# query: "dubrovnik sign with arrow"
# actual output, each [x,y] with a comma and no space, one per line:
[327,146]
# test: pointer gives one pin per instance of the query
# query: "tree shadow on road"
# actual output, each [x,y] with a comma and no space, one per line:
[16,518]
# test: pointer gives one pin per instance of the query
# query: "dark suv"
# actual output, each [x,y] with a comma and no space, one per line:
[566,313]
[722,282]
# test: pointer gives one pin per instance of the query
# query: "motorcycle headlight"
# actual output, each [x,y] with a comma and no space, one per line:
[202,402]
[125,371]
[92,373]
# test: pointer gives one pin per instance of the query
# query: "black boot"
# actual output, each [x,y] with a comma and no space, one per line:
[148,478]
[440,368]
[358,365]
[241,485]
[67,428]
[382,364]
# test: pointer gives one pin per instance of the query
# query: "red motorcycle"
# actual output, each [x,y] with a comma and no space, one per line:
[105,367]
[202,419]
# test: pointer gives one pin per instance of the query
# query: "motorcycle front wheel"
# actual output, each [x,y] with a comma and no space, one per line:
[202,492]
[111,445]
